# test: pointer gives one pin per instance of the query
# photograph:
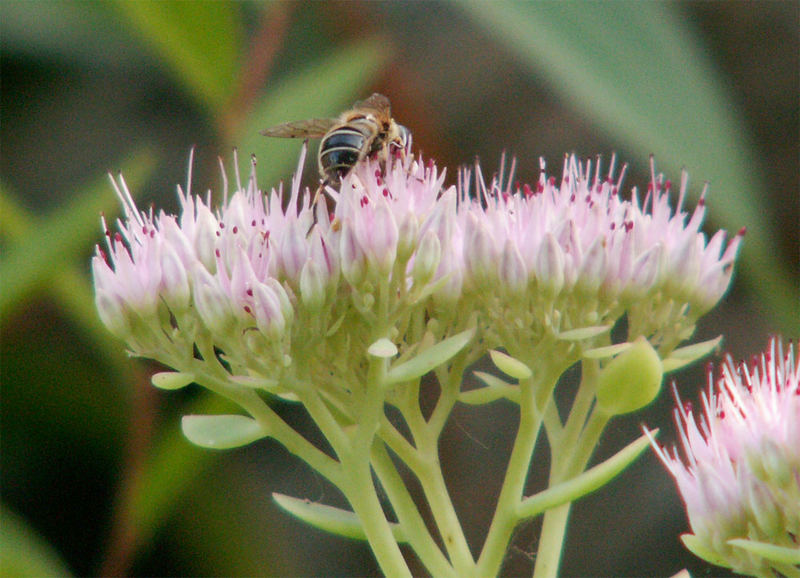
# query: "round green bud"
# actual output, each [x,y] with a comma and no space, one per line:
[631,380]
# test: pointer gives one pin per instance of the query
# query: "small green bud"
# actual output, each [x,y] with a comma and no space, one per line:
[631,380]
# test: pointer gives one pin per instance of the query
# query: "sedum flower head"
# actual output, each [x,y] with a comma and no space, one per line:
[569,255]
[740,479]
[274,292]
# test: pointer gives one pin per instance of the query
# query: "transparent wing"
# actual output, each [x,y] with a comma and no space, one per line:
[311,128]
[377,103]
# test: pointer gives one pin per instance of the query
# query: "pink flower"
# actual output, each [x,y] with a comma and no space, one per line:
[578,244]
[273,279]
[740,478]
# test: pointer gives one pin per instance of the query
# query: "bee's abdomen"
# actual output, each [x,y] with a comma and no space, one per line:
[341,149]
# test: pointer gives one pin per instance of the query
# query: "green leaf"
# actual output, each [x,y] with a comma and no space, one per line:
[584,484]
[23,552]
[511,366]
[198,41]
[699,549]
[429,359]
[686,355]
[323,88]
[637,70]
[172,465]
[170,380]
[334,520]
[221,432]
[52,245]
[780,554]
[583,333]
[607,351]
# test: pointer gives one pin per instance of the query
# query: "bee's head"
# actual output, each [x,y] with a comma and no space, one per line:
[401,139]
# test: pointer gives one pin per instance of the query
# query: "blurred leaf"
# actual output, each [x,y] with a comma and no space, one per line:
[75,33]
[199,41]
[324,88]
[52,245]
[637,70]
[173,464]
[23,552]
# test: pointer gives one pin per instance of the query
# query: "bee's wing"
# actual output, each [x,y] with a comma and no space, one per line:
[376,106]
[377,103]
[311,128]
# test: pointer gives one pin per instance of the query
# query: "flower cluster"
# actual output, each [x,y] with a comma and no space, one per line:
[283,293]
[740,478]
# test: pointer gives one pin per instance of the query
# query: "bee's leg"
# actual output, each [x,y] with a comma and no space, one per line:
[317,193]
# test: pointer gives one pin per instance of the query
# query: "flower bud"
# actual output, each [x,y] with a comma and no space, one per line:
[353,261]
[631,380]
[112,314]
[267,311]
[549,265]
[513,273]
[407,237]
[313,285]
[174,280]
[211,302]
[426,259]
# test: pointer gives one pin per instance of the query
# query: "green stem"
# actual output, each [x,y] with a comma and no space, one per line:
[505,517]
[258,409]
[359,490]
[419,538]
[430,477]
[356,482]
[427,468]
[566,463]
[551,541]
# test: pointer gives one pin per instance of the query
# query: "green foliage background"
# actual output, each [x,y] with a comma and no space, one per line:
[96,478]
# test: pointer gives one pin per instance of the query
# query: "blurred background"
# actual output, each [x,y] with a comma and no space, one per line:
[96,477]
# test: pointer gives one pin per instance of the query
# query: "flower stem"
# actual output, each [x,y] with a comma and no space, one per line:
[564,466]
[359,490]
[432,482]
[505,516]
[419,538]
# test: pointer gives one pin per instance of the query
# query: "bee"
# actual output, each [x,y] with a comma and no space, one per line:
[366,130]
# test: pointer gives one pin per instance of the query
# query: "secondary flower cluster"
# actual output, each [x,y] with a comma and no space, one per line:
[741,475]
[280,292]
